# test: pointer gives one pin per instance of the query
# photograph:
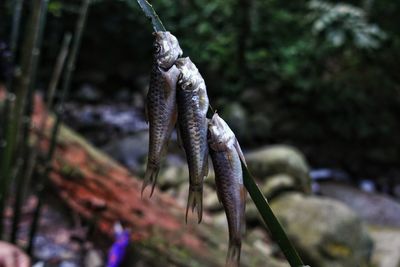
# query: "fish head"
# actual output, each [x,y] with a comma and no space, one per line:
[166,49]
[220,136]
[190,78]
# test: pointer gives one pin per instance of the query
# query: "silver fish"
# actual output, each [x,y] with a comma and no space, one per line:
[193,104]
[226,156]
[161,102]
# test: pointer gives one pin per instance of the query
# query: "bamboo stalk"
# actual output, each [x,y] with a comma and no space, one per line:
[65,88]
[15,29]
[24,179]
[62,56]
[29,53]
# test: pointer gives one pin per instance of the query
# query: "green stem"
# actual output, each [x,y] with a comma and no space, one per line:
[25,177]
[270,220]
[57,71]
[29,61]
[151,15]
[16,22]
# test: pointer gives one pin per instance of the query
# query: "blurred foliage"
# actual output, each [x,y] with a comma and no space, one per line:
[321,75]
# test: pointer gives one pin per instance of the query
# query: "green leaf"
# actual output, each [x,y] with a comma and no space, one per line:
[270,220]
[152,15]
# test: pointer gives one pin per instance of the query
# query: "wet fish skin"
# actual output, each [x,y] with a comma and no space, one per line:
[225,155]
[193,104]
[161,103]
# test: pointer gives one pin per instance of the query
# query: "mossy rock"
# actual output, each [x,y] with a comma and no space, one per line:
[280,159]
[278,183]
[326,232]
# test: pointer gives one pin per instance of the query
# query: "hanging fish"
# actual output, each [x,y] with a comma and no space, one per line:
[161,102]
[226,156]
[193,104]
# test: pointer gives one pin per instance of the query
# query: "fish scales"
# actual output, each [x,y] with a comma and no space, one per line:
[229,183]
[161,109]
[227,158]
[192,103]
[161,103]
[195,137]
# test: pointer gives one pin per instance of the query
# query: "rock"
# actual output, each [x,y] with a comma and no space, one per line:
[89,93]
[138,101]
[260,240]
[276,184]
[252,214]
[211,201]
[374,208]
[386,251]
[219,219]
[131,151]
[280,159]
[325,232]
[172,176]
[93,258]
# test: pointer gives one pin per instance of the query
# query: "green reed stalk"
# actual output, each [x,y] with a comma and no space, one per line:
[29,59]
[16,21]
[53,141]
[270,220]
[273,224]
[151,14]
[15,29]
[62,56]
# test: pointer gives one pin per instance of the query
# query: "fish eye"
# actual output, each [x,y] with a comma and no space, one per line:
[157,48]
[180,79]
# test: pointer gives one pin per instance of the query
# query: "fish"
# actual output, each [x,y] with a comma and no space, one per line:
[161,111]
[226,156]
[193,103]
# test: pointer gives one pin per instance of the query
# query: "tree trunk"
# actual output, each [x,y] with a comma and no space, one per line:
[98,188]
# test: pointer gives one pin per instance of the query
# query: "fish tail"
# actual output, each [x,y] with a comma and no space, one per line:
[195,200]
[150,177]
[233,257]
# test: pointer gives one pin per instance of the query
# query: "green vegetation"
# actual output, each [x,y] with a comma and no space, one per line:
[311,73]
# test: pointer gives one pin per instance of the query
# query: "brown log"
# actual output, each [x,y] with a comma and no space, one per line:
[98,188]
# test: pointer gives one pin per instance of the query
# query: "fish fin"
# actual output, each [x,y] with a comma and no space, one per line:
[219,196]
[146,114]
[171,126]
[150,177]
[230,159]
[179,136]
[240,153]
[195,200]
[233,257]
[243,196]
[204,102]
[171,78]
[206,167]
[206,152]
